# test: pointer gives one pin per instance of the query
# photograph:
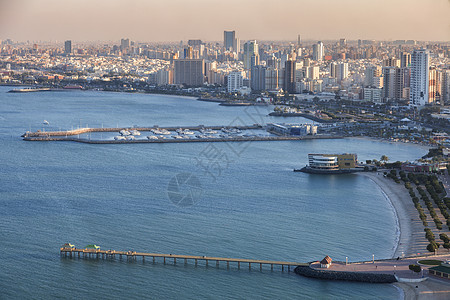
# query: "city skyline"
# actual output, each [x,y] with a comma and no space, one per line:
[154,21]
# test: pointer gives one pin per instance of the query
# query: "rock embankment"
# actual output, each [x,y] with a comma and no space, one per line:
[345,276]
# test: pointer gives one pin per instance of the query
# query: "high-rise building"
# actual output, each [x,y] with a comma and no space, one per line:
[271,79]
[124,44]
[250,49]
[188,52]
[420,72]
[333,69]
[341,71]
[235,82]
[318,51]
[392,83]
[289,76]
[391,62]
[195,43]
[342,42]
[445,93]
[190,72]
[258,78]
[299,41]
[230,41]
[68,47]
[434,90]
[371,73]
[405,60]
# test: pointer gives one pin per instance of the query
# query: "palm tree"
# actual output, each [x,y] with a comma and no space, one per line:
[384,158]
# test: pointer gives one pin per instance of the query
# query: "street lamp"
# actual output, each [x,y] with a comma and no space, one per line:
[373,258]
[394,269]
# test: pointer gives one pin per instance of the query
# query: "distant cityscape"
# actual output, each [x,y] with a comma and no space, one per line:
[366,81]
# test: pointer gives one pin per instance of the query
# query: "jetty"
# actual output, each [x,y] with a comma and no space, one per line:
[74,135]
[133,255]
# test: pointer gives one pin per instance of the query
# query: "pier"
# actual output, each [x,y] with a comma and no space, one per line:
[73,135]
[174,258]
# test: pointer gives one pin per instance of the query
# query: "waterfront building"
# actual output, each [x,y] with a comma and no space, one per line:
[271,79]
[333,161]
[190,72]
[419,86]
[235,82]
[289,77]
[68,47]
[326,262]
[258,78]
[292,129]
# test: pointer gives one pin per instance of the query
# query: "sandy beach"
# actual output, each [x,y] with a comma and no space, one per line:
[412,239]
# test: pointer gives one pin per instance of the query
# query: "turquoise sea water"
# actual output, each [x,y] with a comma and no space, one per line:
[250,204]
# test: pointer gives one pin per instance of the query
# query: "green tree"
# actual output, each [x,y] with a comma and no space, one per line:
[384,158]
[432,247]
[415,268]
[447,246]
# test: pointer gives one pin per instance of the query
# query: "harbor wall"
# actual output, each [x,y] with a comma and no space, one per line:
[344,276]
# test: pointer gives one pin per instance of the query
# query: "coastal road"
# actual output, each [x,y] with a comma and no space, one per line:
[445,179]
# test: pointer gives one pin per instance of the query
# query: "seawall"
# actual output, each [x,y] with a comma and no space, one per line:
[344,276]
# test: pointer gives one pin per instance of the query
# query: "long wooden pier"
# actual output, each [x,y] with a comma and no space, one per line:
[133,255]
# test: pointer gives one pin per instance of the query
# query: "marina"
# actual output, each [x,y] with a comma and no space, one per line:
[176,134]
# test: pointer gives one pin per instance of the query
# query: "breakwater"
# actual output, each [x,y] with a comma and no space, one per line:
[307,271]
[191,140]
[117,129]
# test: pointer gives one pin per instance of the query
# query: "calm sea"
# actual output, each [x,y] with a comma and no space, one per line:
[243,201]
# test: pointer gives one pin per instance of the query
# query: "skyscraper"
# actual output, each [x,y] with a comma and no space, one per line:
[318,51]
[289,76]
[420,72]
[341,71]
[230,41]
[250,49]
[405,60]
[124,44]
[299,41]
[445,94]
[258,78]
[68,47]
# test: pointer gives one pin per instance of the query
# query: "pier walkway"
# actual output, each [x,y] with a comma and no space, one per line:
[132,255]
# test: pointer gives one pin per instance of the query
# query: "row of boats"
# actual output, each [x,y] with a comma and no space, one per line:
[161,133]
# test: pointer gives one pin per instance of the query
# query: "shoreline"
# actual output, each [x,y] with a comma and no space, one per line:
[407,218]
[411,238]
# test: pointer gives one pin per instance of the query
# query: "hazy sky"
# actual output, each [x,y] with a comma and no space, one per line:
[174,20]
